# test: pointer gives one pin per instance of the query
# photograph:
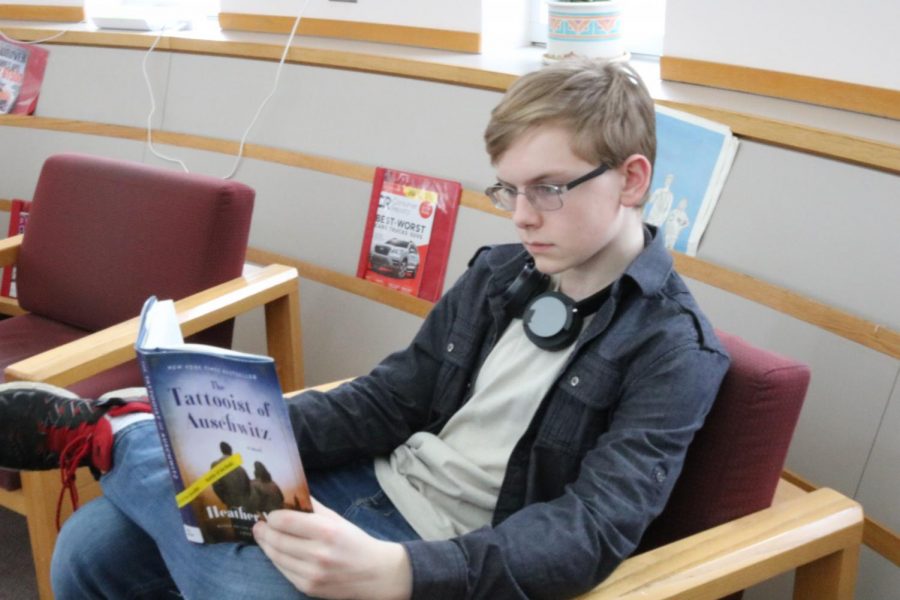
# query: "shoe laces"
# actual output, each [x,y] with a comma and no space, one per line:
[90,443]
[76,444]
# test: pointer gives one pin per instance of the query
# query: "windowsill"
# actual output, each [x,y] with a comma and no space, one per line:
[512,62]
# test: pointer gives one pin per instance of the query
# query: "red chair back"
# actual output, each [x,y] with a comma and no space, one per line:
[105,234]
[734,463]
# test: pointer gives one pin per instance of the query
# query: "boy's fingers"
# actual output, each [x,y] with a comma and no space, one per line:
[323,523]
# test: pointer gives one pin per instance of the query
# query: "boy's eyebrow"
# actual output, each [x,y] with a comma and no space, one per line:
[551,176]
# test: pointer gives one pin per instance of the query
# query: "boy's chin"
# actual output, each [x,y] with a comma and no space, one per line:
[547,266]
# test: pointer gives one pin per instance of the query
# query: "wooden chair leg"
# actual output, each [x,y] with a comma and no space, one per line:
[831,577]
[41,489]
[284,339]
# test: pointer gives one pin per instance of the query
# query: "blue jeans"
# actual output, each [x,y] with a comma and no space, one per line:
[130,543]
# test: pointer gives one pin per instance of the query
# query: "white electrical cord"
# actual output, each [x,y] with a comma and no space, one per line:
[150,147]
[262,105]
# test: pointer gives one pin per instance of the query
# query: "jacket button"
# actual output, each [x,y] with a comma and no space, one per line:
[574,381]
[660,475]
[450,347]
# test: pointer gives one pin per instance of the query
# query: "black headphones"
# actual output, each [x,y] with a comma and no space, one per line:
[552,320]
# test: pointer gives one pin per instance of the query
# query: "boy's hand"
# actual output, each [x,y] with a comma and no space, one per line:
[326,556]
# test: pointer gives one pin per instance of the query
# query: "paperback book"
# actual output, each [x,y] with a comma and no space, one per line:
[21,74]
[408,232]
[224,429]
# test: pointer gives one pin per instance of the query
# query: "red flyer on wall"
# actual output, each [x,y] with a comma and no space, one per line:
[21,74]
[18,217]
[408,232]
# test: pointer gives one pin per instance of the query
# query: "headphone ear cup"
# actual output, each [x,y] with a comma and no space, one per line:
[550,321]
[526,285]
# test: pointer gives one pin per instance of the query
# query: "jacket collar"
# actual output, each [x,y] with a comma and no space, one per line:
[653,265]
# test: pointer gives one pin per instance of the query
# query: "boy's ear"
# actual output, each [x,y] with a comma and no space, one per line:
[637,172]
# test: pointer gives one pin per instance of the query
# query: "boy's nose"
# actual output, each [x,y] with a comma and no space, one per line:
[525,215]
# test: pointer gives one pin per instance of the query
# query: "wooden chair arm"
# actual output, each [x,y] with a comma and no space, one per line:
[10,307]
[275,287]
[9,249]
[819,534]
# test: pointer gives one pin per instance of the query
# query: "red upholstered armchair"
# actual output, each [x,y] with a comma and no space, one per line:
[102,236]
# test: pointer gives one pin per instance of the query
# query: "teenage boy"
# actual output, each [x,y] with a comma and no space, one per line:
[519,446]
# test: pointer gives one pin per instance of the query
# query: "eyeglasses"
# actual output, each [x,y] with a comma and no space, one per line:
[542,196]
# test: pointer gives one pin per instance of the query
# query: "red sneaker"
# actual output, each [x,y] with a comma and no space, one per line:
[46,427]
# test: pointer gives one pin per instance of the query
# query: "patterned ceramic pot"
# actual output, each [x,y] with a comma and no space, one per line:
[591,29]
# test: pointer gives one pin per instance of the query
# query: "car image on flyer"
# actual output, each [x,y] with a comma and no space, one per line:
[408,232]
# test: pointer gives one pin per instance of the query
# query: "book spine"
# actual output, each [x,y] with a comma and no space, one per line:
[192,527]
[435,269]
[368,231]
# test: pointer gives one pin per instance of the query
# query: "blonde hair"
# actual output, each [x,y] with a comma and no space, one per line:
[604,104]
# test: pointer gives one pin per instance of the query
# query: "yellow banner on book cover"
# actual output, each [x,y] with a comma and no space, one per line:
[188,494]
[421,195]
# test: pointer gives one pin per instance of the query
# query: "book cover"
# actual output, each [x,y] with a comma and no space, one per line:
[22,69]
[224,429]
[18,218]
[693,158]
[409,229]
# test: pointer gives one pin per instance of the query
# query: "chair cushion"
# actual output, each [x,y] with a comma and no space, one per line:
[27,335]
[105,234]
[734,463]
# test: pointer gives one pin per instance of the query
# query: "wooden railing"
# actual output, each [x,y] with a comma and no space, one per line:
[876,101]
[854,149]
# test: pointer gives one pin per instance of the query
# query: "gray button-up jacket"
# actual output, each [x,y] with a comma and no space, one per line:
[599,458]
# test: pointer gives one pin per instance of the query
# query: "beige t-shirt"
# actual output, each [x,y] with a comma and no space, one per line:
[447,484]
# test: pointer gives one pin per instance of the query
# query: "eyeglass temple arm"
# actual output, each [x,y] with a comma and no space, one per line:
[595,173]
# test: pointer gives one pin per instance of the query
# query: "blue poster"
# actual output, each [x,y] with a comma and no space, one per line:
[693,157]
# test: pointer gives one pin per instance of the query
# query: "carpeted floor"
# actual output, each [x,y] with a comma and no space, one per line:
[16,570]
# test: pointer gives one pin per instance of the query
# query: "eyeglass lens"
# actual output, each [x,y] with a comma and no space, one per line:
[542,196]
